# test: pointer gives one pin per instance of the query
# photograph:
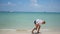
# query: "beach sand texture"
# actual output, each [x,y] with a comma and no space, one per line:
[25,32]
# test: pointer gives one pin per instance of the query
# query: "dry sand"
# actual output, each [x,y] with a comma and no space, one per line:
[26,32]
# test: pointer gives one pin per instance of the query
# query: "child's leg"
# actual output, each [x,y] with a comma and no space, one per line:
[34,29]
[38,29]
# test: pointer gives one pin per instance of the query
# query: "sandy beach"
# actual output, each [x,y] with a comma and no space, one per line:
[22,22]
[13,31]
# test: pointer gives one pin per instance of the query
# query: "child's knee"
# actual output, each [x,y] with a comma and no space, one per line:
[35,28]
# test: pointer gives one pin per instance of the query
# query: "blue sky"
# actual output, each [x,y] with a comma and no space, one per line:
[30,5]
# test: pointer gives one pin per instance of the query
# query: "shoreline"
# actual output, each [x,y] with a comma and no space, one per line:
[29,30]
[18,31]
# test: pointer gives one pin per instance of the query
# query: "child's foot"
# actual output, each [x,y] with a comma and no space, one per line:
[38,32]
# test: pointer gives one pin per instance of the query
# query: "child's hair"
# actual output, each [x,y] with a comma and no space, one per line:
[35,22]
[44,22]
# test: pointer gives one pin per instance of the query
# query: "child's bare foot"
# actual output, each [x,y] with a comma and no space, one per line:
[38,32]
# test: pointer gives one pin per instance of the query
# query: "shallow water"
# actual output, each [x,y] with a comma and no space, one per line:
[24,20]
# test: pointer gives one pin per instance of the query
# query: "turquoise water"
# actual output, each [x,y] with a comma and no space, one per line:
[24,20]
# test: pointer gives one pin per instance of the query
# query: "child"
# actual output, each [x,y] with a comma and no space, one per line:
[38,23]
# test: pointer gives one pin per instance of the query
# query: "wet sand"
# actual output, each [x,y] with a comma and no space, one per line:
[26,32]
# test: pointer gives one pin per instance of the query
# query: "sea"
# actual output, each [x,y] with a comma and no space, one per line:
[24,20]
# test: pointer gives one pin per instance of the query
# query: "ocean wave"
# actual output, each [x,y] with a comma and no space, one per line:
[23,30]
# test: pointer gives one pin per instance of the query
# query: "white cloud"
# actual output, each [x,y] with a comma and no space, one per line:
[11,4]
[34,3]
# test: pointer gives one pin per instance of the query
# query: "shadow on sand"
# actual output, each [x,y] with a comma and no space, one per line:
[36,33]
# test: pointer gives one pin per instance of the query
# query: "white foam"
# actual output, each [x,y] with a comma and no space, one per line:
[45,30]
[42,30]
[8,29]
[23,30]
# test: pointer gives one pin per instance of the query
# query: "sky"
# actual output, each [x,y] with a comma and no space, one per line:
[30,5]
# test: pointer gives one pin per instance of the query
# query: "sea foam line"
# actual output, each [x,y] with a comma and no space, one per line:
[7,29]
[22,29]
